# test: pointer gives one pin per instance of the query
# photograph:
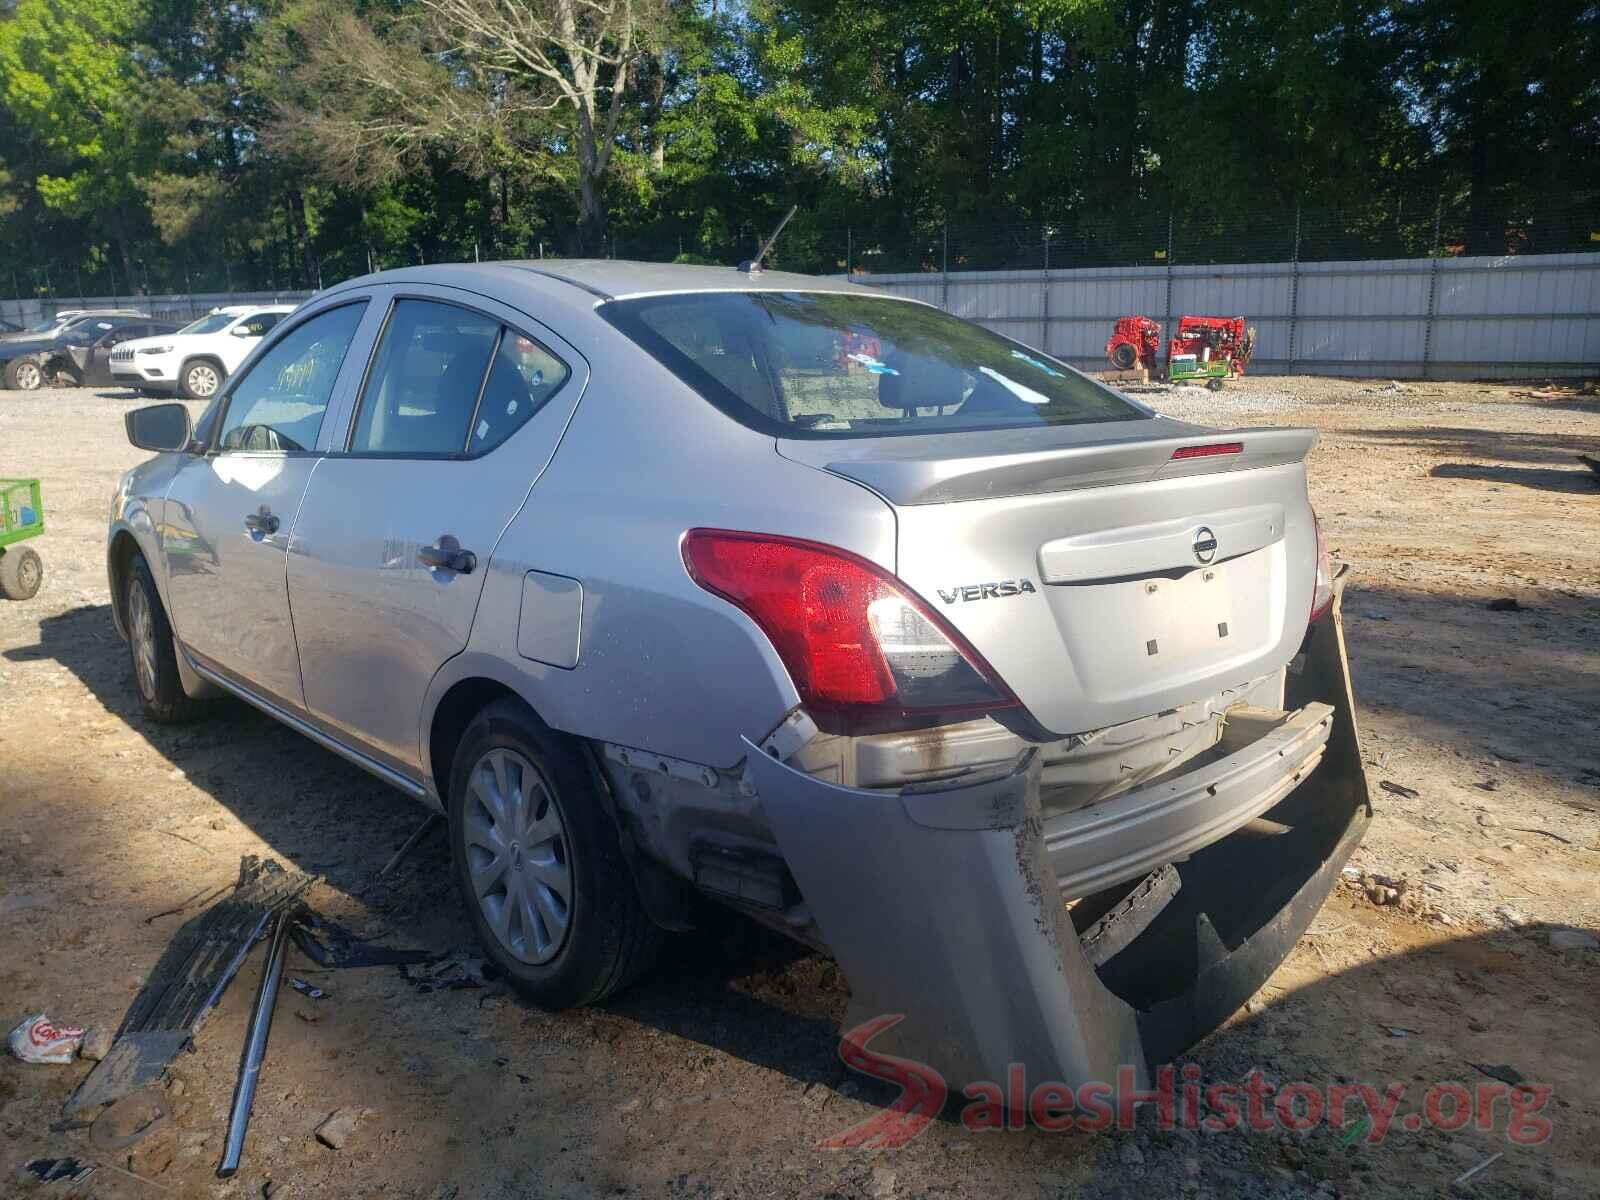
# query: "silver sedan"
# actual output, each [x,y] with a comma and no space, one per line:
[1027,704]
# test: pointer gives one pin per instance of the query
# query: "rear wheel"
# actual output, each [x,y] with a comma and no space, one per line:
[200,380]
[539,865]
[155,656]
[24,375]
[21,573]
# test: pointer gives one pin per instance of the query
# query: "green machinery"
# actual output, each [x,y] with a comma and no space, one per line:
[21,518]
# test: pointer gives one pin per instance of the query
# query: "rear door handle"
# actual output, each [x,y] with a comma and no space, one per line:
[261,522]
[447,555]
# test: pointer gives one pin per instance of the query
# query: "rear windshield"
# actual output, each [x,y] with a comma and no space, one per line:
[830,364]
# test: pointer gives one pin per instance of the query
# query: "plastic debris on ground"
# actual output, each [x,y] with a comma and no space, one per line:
[41,1040]
[59,1170]
[188,980]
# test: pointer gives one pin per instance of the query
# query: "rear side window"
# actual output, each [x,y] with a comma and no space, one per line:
[831,364]
[448,381]
[280,402]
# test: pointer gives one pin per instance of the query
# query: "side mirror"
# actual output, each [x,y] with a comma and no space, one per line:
[159,427]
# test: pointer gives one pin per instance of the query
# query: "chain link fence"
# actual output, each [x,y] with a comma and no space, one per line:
[1131,235]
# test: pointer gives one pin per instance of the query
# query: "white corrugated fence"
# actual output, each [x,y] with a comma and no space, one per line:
[1440,318]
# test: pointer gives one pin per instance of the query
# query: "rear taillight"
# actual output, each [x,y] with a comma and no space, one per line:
[863,652]
[1322,593]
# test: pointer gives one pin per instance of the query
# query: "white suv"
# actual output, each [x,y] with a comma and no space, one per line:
[195,360]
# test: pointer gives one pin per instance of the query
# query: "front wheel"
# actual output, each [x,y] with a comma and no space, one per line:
[201,380]
[24,375]
[155,656]
[21,573]
[539,864]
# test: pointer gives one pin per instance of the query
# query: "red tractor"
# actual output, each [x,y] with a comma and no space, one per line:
[1134,342]
[1205,348]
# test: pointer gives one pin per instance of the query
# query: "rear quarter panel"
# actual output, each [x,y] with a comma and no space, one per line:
[662,665]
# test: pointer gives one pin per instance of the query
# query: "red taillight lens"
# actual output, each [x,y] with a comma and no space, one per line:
[1322,593]
[857,644]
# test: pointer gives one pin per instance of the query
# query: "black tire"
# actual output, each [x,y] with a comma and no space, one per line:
[609,940]
[1213,385]
[159,686]
[205,370]
[24,375]
[1123,356]
[21,573]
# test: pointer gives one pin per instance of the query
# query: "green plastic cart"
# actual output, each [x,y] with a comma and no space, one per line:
[21,518]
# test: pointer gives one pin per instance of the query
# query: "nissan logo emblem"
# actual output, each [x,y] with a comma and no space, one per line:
[1205,544]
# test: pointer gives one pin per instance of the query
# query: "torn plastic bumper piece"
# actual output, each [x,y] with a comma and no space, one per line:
[941,904]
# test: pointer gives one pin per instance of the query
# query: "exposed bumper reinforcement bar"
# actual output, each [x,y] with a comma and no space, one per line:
[940,902]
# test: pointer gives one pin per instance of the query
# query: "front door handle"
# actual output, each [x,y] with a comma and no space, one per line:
[447,555]
[262,522]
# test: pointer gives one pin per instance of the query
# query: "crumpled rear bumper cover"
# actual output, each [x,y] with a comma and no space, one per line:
[943,903]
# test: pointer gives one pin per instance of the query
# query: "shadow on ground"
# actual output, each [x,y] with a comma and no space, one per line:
[1556,449]
[1549,479]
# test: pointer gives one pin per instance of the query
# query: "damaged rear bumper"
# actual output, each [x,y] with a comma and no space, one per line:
[944,903]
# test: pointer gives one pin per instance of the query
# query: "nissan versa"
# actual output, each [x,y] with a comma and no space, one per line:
[1025,703]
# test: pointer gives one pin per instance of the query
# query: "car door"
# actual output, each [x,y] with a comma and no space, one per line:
[462,408]
[95,370]
[229,512]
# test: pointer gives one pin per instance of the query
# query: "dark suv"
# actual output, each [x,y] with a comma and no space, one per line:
[77,350]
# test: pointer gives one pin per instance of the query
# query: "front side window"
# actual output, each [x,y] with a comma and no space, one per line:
[836,364]
[280,402]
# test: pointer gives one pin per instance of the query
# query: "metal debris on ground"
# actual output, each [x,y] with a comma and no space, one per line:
[1468,1174]
[188,980]
[430,823]
[1399,789]
[306,989]
[41,1040]
[255,1048]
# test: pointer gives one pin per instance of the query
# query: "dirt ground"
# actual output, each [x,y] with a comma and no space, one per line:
[718,1074]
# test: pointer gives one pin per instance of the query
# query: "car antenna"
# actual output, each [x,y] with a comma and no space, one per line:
[753,267]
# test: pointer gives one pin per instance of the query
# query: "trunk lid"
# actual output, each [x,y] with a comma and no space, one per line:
[1102,578]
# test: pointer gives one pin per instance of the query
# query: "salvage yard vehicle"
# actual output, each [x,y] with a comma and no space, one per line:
[76,351]
[1027,704]
[196,359]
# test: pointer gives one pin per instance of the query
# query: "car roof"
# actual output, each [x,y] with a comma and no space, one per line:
[604,279]
[616,279]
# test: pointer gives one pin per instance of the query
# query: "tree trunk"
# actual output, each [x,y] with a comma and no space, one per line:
[296,202]
[657,88]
